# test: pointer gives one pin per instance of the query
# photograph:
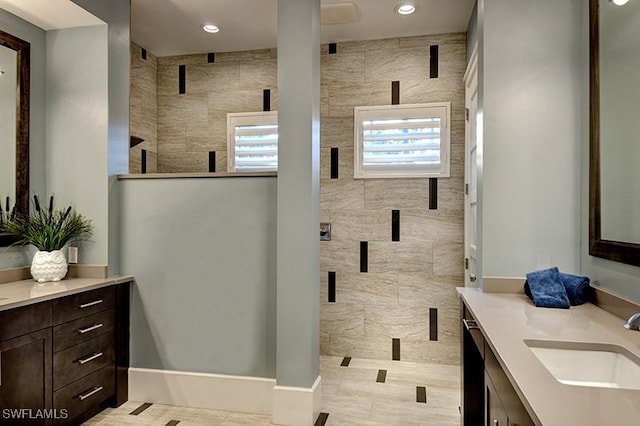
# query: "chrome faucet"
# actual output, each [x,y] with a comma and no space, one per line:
[634,322]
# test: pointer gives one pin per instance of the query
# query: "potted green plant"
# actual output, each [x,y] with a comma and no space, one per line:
[49,230]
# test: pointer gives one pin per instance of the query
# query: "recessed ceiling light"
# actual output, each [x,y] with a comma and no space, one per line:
[405,9]
[620,2]
[210,28]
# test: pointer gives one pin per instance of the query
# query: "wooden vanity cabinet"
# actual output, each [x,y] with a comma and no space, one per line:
[25,362]
[488,397]
[69,354]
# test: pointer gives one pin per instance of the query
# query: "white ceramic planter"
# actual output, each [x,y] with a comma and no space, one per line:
[49,266]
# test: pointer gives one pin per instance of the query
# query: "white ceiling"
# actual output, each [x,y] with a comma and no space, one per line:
[50,14]
[173,27]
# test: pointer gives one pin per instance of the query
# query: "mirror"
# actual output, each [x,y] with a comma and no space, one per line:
[14,122]
[614,200]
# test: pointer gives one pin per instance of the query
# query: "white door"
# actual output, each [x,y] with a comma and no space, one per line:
[471,174]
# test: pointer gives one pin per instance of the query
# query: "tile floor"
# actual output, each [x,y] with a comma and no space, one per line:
[364,392]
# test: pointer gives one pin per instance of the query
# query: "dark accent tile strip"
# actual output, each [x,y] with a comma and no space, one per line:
[345,361]
[143,53]
[182,79]
[395,93]
[395,225]
[332,287]
[266,100]
[172,422]
[364,256]
[433,61]
[395,349]
[212,161]
[334,163]
[333,48]
[211,58]
[135,140]
[143,161]
[140,409]
[322,419]
[382,376]
[433,193]
[421,394]
[433,324]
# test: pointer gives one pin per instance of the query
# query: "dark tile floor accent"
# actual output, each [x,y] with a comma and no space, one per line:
[140,409]
[382,376]
[322,419]
[421,394]
[345,361]
[172,423]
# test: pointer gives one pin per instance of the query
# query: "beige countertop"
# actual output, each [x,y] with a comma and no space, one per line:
[507,319]
[21,293]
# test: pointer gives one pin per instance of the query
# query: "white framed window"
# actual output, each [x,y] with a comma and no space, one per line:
[402,141]
[252,141]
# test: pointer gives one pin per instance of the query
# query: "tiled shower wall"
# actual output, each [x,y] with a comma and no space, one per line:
[404,306]
[143,110]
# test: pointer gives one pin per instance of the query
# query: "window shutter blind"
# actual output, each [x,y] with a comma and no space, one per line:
[252,141]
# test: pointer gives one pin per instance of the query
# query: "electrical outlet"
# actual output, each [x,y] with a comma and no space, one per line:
[72,255]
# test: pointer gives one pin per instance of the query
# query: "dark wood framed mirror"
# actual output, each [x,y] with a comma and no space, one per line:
[606,200]
[23,58]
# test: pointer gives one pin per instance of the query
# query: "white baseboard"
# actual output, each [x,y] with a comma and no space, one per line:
[294,406]
[201,390]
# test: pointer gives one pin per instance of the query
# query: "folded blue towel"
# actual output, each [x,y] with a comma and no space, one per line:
[546,289]
[577,288]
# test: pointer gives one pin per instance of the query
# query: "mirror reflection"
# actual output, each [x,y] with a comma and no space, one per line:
[619,121]
[8,81]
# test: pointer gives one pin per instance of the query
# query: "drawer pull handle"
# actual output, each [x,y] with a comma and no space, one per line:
[95,302]
[94,391]
[88,329]
[91,358]
[470,324]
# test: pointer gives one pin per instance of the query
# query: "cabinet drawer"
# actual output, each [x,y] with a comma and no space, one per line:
[81,330]
[82,304]
[85,394]
[19,321]
[80,360]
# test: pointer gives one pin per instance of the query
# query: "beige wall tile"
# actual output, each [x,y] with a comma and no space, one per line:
[361,225]
[418,289]
[342,318]
[375,347]
[366,289]
[344,96]
[399,257]
[448,259]
[339,256]
[338,194]
[396,193]
[345,162]
[368,45]
[428,40]
[432,225]
[396,64]
[397,323]
[258,75]
[343,68]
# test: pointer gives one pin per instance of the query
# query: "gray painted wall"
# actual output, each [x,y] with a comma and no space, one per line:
[8,81]
[203,252]
[116,13]
[77,113]
[298,263]
[17,257]
[532,94]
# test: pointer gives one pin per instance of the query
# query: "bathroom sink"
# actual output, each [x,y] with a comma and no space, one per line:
[588,364]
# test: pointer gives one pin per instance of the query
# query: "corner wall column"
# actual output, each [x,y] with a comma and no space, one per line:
[298,252]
